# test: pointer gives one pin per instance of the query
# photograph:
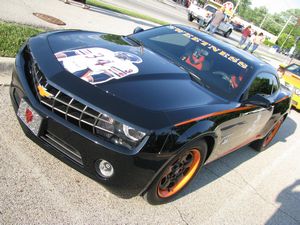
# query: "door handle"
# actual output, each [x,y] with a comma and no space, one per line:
[254,112]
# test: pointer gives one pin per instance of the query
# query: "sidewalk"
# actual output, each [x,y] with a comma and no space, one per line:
[6,66]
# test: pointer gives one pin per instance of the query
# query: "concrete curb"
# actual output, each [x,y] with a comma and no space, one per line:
[6,66]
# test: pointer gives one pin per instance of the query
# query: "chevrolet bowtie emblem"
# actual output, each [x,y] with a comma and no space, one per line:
[43,92]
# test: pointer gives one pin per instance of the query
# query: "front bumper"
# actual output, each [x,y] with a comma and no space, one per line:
[202,21]
[132,173]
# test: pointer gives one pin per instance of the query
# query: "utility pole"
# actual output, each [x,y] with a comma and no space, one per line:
[287,37]
[236,6]
[264,19]
[287,22]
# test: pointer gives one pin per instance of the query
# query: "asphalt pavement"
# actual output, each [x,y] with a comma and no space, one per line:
[244,187]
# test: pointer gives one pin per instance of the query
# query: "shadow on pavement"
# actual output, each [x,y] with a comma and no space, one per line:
[287,129]
[220,167]
[120,16]
[289,200]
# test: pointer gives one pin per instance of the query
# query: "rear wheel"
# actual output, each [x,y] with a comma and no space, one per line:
[227,34]
[190,17]
[261,145]
[177,174]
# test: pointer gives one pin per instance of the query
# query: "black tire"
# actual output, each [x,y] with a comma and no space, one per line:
[262,144]
[190,17]
[227,34]
[179,172]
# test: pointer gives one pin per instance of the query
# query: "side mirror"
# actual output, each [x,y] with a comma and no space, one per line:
[257,100]
[138,30]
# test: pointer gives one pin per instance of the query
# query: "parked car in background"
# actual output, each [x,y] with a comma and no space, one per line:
[185,3]
[141,114]
[204,15]
[291,77]
[237,26]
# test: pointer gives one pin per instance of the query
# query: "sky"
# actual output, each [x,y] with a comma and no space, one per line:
[275,6]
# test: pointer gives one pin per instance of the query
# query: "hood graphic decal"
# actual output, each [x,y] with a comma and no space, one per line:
[99,65]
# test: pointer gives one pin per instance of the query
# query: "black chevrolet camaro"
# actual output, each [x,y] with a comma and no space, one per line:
[141,114]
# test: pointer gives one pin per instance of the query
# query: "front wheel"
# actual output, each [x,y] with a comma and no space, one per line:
[227,34]
[177,174]
[261,145]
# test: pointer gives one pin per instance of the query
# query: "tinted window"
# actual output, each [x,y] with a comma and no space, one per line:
[208,63]
[276,84]
[265,84]
[172,39]
[211,9]
[294,69]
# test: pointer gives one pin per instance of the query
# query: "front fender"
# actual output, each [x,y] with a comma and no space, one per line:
[183,135]
[199,129]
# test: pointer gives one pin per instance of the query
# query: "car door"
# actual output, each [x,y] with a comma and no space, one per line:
[251,122]
[267,85]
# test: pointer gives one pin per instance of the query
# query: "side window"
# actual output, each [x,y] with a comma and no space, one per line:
[294,68]
[276,84]
[264,84]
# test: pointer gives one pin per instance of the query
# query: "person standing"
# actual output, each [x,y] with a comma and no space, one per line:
[258,40]
[251,41]
[216,20]
[245,34]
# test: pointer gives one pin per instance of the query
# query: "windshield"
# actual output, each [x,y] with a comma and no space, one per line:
[210,9]
[294,68]
[209,65]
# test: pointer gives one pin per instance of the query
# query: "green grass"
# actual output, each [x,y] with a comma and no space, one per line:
[12,36]
[125,11]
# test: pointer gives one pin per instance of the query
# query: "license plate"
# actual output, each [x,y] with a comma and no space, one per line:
[29,117]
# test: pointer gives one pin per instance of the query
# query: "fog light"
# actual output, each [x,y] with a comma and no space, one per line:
[105,169]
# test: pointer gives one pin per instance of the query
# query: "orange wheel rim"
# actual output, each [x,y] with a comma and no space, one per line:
[179,174]
[272,134]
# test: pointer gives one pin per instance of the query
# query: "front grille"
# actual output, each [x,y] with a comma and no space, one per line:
[65,106]
[63,147]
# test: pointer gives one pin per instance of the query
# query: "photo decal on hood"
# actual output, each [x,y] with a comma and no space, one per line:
[98,65]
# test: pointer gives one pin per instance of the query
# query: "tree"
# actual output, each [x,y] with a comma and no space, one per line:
[287,41]
[255,15]
[243,6]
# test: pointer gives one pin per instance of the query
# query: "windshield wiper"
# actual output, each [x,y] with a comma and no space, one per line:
[197,79]
[137,41]
[193,76]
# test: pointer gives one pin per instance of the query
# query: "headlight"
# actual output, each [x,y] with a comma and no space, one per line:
[118,133]
[297,91]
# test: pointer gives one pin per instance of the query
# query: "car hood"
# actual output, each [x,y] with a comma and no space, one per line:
[149,85]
